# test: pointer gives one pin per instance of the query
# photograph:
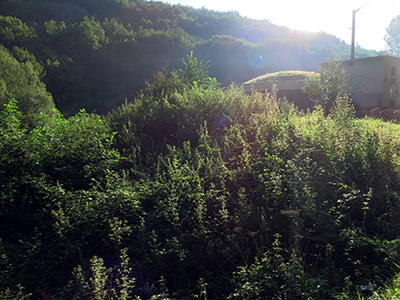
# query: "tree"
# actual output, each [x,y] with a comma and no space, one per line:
[14,31]
[392,37]
[91,33]
[330,85]
[21,80]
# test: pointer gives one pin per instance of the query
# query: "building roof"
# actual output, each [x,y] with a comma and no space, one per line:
[284,80]
[370,59]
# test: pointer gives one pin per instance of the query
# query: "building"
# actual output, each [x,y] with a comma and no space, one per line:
[289,84]
[374,81]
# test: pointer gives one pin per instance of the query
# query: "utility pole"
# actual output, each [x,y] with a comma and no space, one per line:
[353,31]
[353,36]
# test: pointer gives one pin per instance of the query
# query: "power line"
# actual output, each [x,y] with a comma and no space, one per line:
[364,5]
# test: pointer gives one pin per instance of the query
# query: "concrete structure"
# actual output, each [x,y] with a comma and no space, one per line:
[289,84]
[374,81]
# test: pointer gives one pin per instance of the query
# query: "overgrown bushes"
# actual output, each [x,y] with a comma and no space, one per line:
[212,192]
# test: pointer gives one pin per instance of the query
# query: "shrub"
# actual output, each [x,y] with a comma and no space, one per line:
[103,283]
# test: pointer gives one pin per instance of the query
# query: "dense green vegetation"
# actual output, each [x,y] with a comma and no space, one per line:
[195,191]
[95,54]
[389,293]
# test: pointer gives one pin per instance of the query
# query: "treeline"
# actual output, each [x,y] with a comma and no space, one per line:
[95,54]
[193,191]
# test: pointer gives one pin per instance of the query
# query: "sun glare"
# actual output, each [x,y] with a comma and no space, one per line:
[333,17]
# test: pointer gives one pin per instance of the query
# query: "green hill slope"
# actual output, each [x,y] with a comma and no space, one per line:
[97,53]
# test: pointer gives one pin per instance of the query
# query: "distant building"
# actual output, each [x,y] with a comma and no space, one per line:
[289,84]
[374,81]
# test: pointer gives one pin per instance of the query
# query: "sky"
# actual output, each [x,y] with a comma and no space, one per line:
[330,16]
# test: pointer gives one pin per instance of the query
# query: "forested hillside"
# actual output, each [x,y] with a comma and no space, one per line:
[94,54]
